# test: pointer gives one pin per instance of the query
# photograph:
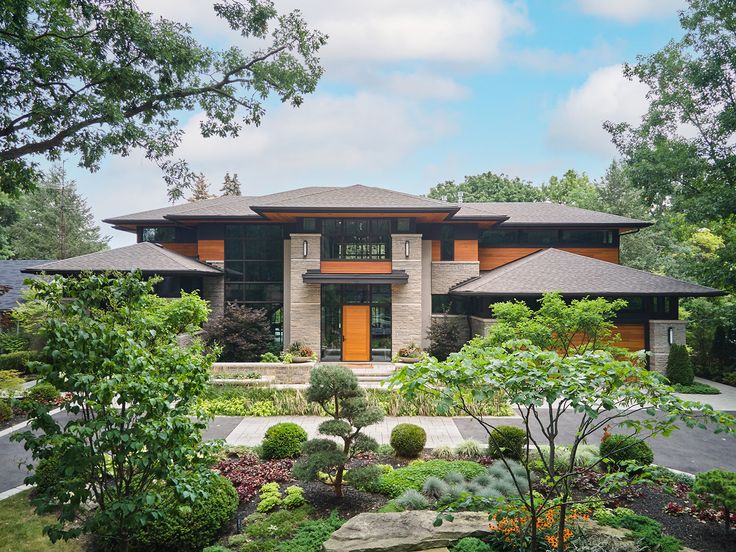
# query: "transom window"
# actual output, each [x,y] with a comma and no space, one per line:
[158,234]
[356,239]
[545,237]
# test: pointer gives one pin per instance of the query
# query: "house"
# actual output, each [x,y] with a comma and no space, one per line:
[358,272]
[11,280]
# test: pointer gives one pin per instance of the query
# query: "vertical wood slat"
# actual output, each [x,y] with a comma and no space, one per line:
[356,324]
[211,250]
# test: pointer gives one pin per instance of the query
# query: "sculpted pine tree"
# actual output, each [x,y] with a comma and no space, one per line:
[230,186]
[200,190]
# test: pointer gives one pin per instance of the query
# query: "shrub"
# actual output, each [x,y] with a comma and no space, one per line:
[412,500]
[445,337]
[386,450]
[270,357]
[6,411]
[269,497]
[696,388]
[618,449]
[46,472]
[283,440]
[216,548]
[470,448]
[647,531]
[679,367]
[243,333]
[298,349]
[311,535]
[716,489]
[248,473]
[13,343]
[365,478]
[408,440]
[434,487]
[508,441]
[294,497]
[414,475]
[443,452]
[43,392]
[471,544]
[18,360]
[195,526]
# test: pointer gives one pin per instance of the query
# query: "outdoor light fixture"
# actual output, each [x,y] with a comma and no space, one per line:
[305,248]
[407,249]
[670,335]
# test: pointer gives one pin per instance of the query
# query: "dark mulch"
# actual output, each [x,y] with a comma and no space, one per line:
[706,537]
[15,419]
[322,498]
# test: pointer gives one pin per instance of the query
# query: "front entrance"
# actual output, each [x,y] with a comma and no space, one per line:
[356,328]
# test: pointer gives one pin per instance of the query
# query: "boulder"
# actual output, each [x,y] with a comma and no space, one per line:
[404,532]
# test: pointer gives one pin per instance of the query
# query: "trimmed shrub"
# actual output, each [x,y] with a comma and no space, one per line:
[190,528]
[408,440]
[471,544]
[243,333]
[412,500]
[6,411]
[43,392]
[46,472]
[283,440]
[622,448]
[414,475]
[679,367]
[18,360]
[508,441]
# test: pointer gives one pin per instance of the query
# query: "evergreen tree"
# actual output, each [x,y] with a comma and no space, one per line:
[231,186]
[54,222]
[679,367]
[200,190]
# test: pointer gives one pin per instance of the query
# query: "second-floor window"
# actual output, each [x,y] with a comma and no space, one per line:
[354,239]
[547,238]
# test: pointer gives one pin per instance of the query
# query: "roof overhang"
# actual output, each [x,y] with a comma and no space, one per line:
[579,294]
[291,214]
[63,272]
[315,276]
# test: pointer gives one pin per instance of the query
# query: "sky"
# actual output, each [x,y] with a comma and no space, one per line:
[416,92]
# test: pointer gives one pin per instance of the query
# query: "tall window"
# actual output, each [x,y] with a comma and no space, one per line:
[254,269]
[356,239]
[447,243]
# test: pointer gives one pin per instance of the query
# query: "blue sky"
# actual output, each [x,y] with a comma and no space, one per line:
[420,91]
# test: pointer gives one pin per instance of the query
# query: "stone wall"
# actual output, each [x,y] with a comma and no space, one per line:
[281,373]
[659,345]
[406,299]
[304,312]
[462,321]
[213,290]
[446,274]
[426,291]
[480,326]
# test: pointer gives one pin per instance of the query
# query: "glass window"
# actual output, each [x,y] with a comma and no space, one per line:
[158,234]
[356,239]
[403,225]
[172,286]
[447,243]
[309,224]
[634,304]
[573,237]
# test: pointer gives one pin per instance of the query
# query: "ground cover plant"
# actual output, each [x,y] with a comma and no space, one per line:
[248,473]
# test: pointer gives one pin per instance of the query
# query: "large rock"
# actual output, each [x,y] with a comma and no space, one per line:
[404,532]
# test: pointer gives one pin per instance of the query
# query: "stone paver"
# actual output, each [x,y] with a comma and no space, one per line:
[440,430]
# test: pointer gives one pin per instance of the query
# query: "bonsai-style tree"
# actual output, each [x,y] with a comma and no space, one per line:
[336,390]
[129,395]
[716,489]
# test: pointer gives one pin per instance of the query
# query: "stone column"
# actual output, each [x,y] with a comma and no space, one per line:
[659,345]
[406,299]
[304,310]
[213,290]
[426,291]
[287,293]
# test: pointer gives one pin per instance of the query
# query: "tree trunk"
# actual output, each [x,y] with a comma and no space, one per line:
[338,481]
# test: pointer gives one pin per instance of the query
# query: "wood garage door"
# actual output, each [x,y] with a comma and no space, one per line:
[356,329]
[632,336]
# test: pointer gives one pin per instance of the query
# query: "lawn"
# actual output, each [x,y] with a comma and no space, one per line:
[22,530]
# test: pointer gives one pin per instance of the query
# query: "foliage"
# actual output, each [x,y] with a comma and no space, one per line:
[46,472]
[618,449]
[13,342]
[43,392]
[512,519]
[189,526]
[415,474]
[6,411]
[248,473]
[647,531]
[365,478]
[294,497]
[696,388]
[269,497]
[572,189]
[216,548]
[443,452]
[411,499]
[18,360]
[408,440]
[471,544]
[186,314]
[200,189]
[336,390]
[508,441]
[470,448]
[129,389]
[10,383]
[310,536]
[445,337]
[230,185]
[283,440]
[435,487]
[243,333]
[298,349]
[679,368]
[54,221]
[267,532]
[95,78]
[486,187]
[270,357]
[716,489]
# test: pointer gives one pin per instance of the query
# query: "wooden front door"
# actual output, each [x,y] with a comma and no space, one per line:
[356,332]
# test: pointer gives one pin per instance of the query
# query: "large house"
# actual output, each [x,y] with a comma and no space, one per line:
[358,272]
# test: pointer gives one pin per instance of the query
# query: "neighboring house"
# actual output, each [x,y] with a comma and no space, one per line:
[358,272]
[11,277]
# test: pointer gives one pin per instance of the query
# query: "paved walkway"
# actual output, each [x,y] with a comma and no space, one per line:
[726,401]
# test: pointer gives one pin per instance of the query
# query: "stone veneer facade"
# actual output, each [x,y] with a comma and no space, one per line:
[303,299]
[213,290]
[446,274]
[406,299]
[659,345]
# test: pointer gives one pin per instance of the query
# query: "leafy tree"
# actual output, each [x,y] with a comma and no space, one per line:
[572,189]
[130,390]
[8,215]
[200,189]
[336,390]
[231,186]
[243,333]
[92,78]
[54,222]
[486,187]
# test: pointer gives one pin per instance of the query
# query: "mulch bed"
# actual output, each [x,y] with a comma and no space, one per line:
[15,419]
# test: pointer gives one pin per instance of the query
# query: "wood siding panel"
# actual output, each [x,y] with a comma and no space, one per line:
[211,250]
[466,250]
[356,323]
[188,249]
[493,257]
[632,336]
[355,267]
[609,254]
[436,250]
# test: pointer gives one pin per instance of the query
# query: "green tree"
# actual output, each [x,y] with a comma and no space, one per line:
[572,189]
[486,187]
[129,392]
[231,186]
[336,390]
[54,222]
[8,215]
[200,189]
[92,78]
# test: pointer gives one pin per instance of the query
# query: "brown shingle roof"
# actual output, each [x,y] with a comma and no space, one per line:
[530,213]
[146,257]
[572,274]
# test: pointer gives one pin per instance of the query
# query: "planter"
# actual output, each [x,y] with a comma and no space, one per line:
[301,360]
[409,360]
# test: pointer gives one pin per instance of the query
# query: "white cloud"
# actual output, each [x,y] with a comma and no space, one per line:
[548,60]
[631,11]
[577,121]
